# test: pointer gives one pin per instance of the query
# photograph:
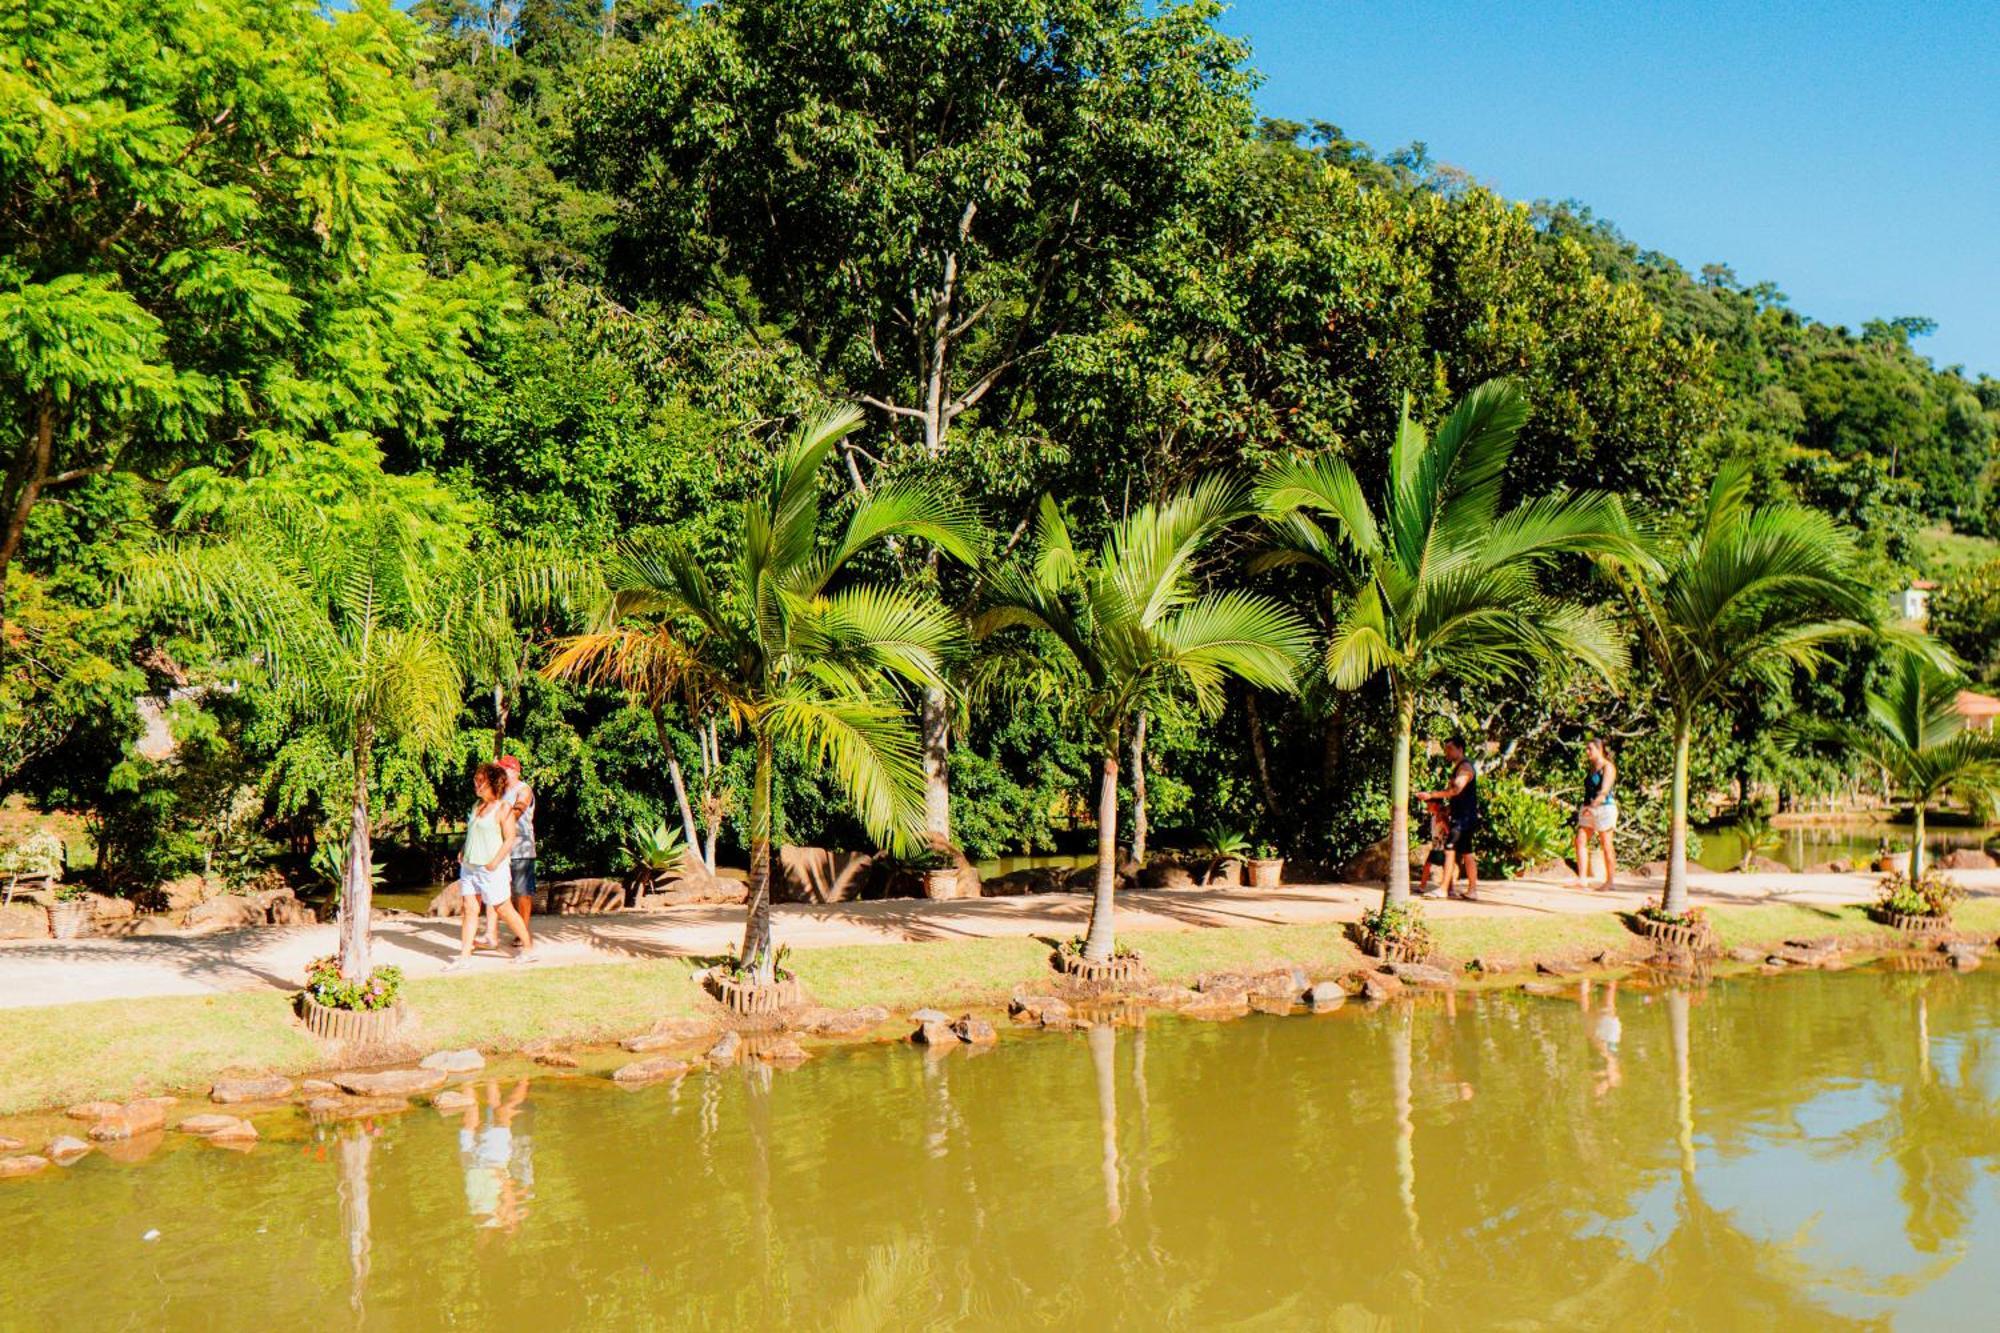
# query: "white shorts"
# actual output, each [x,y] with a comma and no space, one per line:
[1600,818]
[489,886]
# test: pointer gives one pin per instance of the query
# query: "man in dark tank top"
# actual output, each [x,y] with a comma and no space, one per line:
[1461,798]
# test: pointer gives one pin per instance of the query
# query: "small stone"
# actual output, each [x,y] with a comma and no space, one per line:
[1378,986]
[783,1051]
[556,1059]
[232,1090]
[390,1082]
[1421,974]
[316,1087]
[242,1133]
[25,1165]
[205,1125]
[66,1148]
[1038,1008]
[454,1062]
[11,1145]
[93,1110]
[844,1022]
[354,1108]
[1222,983]
[934,1032]
[726,1049]
[1746,955]
[1492,966]
[1557,969]
[651,1070]
[930,1016]
[131,1120]
[1264,1003]
[975,1031]
[1324,995]
[1543,989]
[453,1099]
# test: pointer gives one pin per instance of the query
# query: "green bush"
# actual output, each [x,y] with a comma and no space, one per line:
[1521,827]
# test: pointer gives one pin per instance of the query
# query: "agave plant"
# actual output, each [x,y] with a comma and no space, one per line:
[655,852]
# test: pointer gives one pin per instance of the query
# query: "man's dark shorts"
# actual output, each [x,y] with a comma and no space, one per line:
[1461,835]
[524,877]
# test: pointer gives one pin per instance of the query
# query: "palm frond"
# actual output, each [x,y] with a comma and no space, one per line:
[874,752]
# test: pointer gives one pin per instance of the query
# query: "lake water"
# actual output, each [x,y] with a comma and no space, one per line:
[1807,1151]
[1816,844]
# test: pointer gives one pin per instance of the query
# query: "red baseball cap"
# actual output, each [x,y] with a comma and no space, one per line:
[511,764]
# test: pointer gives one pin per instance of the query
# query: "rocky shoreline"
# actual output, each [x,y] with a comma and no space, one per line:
[237,1112]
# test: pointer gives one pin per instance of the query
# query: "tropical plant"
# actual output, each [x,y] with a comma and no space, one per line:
[357,594]
[1930,893]
[1759,837]
[1224,845]
[655,851]
[777,642]
[1521,828]
[328,983]
[1441,583]
[1750,593]
[1914,734]
[1123,630]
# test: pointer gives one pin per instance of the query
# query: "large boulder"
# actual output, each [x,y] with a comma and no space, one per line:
[24,921]
[225,913]
[447,904]
[390,1082]
[816,875]
[1167,873]
[696,888]
[268,1088]
[178,895]
[1372,866]
[1764,865]
[1968,858]
[586,897]
[1038,879]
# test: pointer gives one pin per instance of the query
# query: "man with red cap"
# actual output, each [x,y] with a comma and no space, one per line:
[520,799]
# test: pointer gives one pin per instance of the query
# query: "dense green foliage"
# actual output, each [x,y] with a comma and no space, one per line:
[563,278]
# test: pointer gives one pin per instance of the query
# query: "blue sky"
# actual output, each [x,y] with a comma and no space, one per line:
[1848,152]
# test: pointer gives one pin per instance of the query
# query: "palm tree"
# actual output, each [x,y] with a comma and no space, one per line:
[1126,631]
[365,617]
[1915,735]
[1442,584]
[1750,593]
[773,642]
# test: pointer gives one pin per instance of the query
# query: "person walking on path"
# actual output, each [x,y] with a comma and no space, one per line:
[1598,814]
[520,799]
[490,833]
[1461,799]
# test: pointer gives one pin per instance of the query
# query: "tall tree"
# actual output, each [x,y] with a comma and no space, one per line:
[792,651]
[1445,584]
[924,197]
[1125,629]
[1914,733]
[206,223]
[1749,593]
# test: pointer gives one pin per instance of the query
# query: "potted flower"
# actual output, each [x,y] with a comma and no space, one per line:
[1266,866]
[937,868]
[1395,933]
[1923,906]
[361,1010]
[69,918]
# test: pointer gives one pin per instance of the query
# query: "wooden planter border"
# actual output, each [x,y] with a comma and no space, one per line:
[1912,923]
[1697,939]
[70,921]
[365,1027]
[1121,969]
[753,997]
[1411,949]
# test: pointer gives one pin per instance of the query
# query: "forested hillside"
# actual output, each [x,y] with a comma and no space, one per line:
[540,277]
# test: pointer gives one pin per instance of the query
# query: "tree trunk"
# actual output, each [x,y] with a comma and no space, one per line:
[688,830]
[1396,890]
[24,487]
[711,764]
[1676,1001]
[1674,901]
[1917,843]
[1103,1042]
[499,721]
[1257,752]
[936,722]
[356,899]
[1098,945]
[1139,825]
[756,956]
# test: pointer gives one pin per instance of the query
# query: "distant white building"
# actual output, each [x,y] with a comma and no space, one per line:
[1914,602]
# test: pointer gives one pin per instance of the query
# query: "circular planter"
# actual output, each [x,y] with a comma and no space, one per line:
[1911,923]
[941,882]
[1698,938]
[1266,872]
[1119,969]
[1409,949]
[1228,875]
[754,997]
[69,921]
[365,1027]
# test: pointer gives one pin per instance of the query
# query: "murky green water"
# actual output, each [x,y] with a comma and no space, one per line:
[1797,1152]
[1806,845]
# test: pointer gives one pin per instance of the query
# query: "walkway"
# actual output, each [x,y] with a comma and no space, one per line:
[44,972]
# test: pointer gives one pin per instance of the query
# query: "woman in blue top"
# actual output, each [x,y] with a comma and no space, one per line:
[1597,813]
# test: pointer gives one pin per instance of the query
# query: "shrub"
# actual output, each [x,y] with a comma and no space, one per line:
[1397,923]
[379,990]
[1521,828]
[1932,895]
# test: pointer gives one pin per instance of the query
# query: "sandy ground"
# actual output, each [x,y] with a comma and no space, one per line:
[43,972]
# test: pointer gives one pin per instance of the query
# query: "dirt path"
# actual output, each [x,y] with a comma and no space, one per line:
[43,972]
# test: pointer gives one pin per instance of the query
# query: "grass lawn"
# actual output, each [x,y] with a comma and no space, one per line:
[56,1055]
[1942,553]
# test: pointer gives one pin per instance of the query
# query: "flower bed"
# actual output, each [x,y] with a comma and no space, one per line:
[742,995]
[361,1027]
[1394,934]
[1692,933]
[1121,968]
[1922,908]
